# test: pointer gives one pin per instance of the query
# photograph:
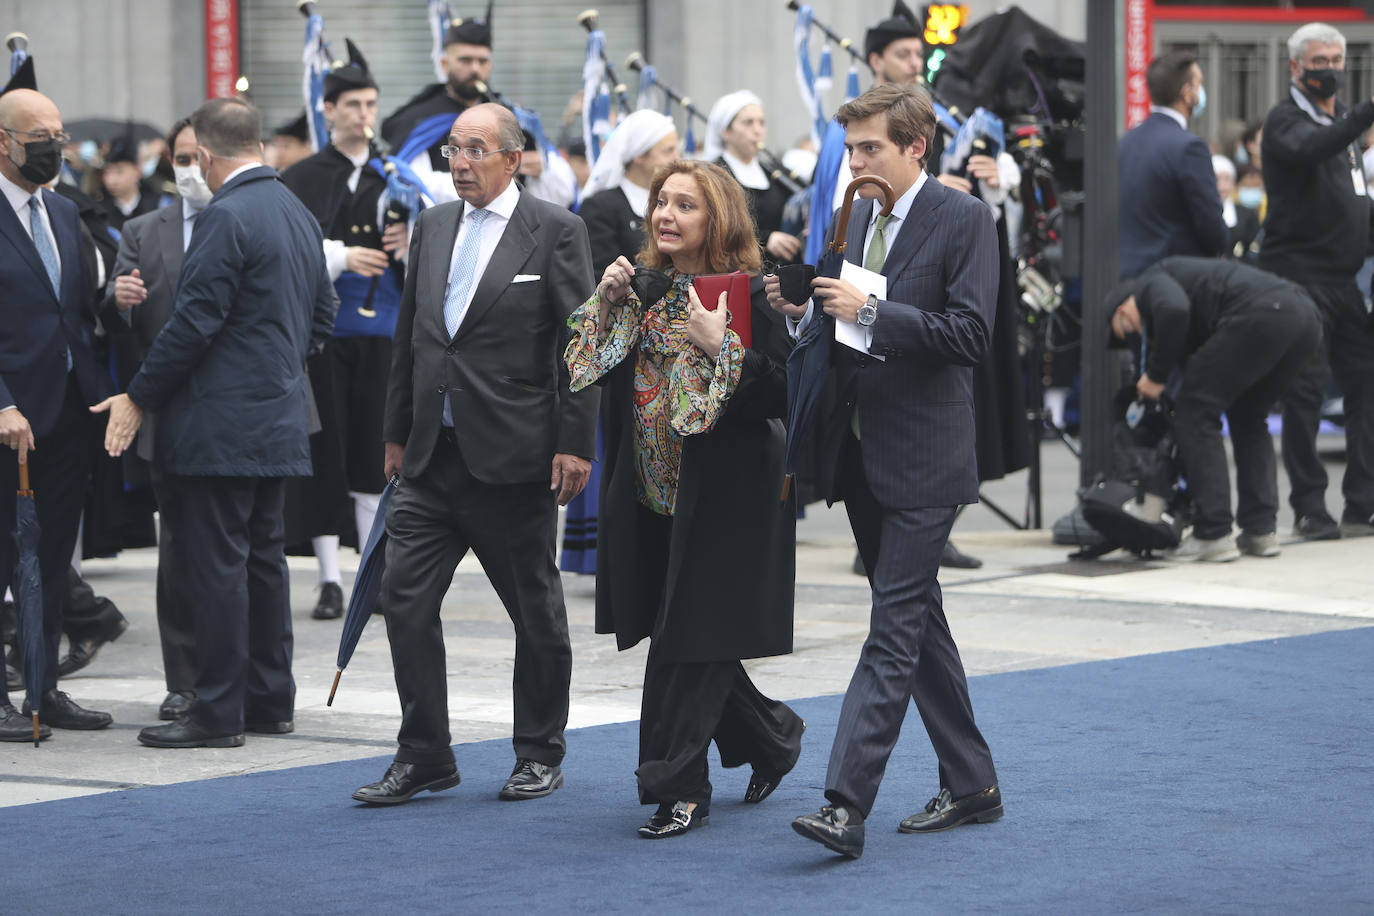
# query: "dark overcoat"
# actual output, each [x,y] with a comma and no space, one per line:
[732,553]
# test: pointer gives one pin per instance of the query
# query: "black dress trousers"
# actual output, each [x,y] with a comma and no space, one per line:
[59,471]
[909,653]
[175,595]
[686,705]
[432,521]
[230,544]
[1349,355]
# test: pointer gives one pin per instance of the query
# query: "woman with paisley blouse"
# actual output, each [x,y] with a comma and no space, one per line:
[695,549]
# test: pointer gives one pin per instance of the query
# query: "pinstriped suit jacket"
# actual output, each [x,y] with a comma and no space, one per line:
[916,407]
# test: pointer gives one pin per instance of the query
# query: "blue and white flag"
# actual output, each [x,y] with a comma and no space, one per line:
[806,76]
[596,100]
[651,94]
[17,58]
[318,62]
[439,20]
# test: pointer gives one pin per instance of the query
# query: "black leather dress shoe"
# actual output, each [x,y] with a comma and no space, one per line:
[761,785]
[60,711]
[675,820]
[330,605]
[836,827]
[944,811]
[403,780]
[184,732]
[177,704]
[15,726]
[1317,527]
[954,558]
[82,652]
[531,779]
[270,728]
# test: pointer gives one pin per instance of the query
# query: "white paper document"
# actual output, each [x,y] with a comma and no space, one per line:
[869,283]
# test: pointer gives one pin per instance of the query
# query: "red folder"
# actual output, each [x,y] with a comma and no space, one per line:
[736,287]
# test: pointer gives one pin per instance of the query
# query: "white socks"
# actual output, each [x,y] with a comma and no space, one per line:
[326,548]
[364,511]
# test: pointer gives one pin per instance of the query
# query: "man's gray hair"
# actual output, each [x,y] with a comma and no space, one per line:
[508,127]
[1313,33]
[228,127]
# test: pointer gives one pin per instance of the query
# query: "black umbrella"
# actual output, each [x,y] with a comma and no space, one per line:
[363,602]
[810,359]
[102,129]
[28,594]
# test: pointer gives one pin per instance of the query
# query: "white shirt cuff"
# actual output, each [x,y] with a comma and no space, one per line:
[335,258]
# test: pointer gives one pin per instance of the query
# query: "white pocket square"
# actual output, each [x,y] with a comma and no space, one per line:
[525,278]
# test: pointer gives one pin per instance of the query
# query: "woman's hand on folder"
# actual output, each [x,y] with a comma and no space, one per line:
[706,327]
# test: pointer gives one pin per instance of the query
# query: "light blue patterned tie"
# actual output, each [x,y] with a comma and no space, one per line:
[460,281]
[44,245]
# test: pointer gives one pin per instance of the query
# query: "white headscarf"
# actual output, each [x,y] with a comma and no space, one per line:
[634,136]
[722,113]
[1221,164]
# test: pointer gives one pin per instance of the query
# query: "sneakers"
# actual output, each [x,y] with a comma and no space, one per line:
[1317,527]
[1258,545]
[1218,550]
[1355,526]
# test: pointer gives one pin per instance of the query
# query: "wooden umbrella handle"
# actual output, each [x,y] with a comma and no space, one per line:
[337,674]
[837,242]
[24,477]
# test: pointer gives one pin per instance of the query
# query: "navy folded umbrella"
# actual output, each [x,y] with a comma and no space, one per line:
[363,602]
[28,594]
[810,358]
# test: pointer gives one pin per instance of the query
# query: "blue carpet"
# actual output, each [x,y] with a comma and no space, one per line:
[1234,779]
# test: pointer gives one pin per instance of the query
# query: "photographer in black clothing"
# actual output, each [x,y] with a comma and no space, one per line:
[1317,234]
[1240,336]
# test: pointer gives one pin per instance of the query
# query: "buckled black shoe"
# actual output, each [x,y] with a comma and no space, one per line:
[944,811]
[531,779]
[81,652]
[330,605]
[177,704]
[838,828]
[1355,524]
[185,732]
[404,780]
[954,558]
[17,727]
[675,820]
[61,711]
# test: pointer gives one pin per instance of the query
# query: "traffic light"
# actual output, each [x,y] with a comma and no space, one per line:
[943,21]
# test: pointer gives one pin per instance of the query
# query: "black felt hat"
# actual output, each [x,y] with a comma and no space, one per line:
[297,128]
[349,75]
[23,78]
[124,149]
[470,31]
[901,24]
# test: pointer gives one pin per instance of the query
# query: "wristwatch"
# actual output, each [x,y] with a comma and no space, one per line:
[868,312]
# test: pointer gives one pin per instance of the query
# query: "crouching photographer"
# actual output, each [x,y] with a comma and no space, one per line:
[1238,336]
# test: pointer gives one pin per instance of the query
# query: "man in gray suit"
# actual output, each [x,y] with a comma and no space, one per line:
[140,298]
[899,450]
[482,429]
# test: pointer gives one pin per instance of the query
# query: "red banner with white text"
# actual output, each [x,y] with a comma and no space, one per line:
[221,48]
[1139,49]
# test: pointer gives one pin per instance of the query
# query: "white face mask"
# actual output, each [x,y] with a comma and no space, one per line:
[191,186]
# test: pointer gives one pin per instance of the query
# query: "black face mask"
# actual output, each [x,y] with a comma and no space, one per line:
[42,161]
[1324,83]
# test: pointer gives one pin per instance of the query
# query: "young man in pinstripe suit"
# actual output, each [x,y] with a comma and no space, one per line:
[899,450]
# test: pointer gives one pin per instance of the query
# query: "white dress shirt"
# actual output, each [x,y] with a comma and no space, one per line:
[493,227]
[188,224]
[1171,112]
[637,197]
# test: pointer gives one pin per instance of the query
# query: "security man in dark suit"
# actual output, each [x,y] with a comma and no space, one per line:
[48,374]
[1167,190]
[899,450]
[486,436]
[140,301]
[227,377]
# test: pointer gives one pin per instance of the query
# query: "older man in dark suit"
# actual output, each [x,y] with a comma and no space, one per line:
[483,430]
[139,302]
[227,377]
[1168,192]
[48,374]
[899,450]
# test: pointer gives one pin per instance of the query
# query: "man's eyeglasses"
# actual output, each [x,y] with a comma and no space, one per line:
[63,137]
[470,153]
